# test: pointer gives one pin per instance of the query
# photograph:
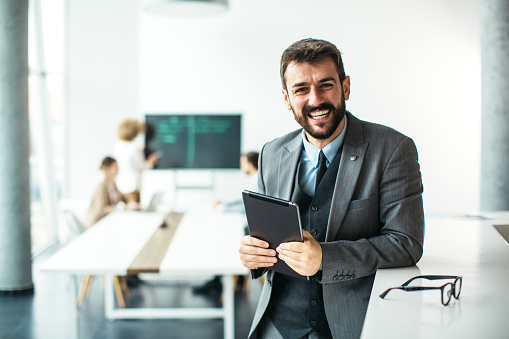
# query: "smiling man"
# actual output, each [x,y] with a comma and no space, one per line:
[359,191]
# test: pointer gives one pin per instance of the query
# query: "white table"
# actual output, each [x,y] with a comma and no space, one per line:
[469,248]
[204,243]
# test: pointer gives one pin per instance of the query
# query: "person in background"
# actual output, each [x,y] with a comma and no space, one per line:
[359,191]
[131,159]
[107,197]
[248,165]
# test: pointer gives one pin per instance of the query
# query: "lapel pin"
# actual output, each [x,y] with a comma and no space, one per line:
[353,157]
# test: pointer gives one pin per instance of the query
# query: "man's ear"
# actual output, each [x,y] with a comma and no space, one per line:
[346,87]
[286,98]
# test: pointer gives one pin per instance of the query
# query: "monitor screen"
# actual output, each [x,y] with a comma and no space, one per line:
[208,141]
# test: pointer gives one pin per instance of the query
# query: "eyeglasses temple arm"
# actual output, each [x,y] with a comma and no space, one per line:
[409,289]
[429,277]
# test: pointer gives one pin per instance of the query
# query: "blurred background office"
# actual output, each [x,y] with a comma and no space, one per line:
[415,66]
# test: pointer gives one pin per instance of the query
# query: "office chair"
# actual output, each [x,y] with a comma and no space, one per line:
[74,225]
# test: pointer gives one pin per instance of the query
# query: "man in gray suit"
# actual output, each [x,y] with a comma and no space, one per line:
[359,189]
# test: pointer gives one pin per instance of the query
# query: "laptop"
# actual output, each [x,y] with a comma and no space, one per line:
[155,201]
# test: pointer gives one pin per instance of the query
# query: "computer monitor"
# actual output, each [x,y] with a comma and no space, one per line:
[194,141]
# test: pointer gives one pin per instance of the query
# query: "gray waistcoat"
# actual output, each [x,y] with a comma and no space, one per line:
[296,306]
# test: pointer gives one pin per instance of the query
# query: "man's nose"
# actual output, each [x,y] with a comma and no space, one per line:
[315,97]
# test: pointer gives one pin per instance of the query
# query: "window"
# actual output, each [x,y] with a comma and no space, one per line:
[47,117]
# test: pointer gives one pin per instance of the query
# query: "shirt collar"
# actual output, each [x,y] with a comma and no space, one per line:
[330,150]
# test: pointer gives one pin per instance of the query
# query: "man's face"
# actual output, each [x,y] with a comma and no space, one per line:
[317,99]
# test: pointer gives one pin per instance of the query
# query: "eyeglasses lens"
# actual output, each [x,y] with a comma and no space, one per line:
[457,288]
[447,293]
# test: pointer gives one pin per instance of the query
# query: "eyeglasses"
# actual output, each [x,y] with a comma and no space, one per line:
[448,290]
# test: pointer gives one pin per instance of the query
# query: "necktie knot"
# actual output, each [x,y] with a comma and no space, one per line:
[321,169]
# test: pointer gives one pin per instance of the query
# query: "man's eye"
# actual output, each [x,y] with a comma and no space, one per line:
[300,90]
[327,85]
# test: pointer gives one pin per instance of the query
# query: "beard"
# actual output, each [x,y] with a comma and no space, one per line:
[337,114]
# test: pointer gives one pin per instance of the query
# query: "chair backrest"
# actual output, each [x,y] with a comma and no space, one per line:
[75,225]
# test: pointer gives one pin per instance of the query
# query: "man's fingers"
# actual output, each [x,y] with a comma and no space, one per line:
[255,253]
[253,262]
[297,246]
[253,246]
[251,241]
[256,261]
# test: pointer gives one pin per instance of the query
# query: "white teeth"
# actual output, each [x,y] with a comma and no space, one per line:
[319,114]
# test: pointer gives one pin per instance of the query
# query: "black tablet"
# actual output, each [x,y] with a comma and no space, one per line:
[275,221]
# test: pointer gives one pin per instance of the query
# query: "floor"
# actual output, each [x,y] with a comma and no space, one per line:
[51,313]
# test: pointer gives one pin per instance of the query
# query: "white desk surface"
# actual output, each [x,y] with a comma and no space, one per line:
[469,248]
[109,247]
[205,243]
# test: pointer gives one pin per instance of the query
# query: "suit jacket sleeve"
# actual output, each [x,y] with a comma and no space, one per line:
[385,229]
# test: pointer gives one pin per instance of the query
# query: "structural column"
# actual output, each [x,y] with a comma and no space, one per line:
[15,249]
[494,15]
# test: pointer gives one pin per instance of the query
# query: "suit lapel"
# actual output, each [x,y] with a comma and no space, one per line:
[290,158]
[352,157]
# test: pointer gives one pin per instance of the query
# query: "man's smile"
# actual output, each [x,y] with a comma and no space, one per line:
[319,114]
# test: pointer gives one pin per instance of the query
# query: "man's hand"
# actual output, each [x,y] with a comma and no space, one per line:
[305,257]
[255,253]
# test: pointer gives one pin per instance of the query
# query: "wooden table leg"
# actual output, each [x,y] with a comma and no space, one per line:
[118,292]
[83,290]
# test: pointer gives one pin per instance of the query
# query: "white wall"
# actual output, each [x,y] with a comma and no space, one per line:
[414,66]
[103,81]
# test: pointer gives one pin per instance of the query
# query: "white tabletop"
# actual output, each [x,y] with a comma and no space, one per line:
[205,242]
[469,248]
[109,247]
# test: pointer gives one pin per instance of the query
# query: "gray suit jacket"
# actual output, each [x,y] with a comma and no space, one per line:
[376,218]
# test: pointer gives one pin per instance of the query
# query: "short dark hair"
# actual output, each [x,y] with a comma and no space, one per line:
[311,51]
[252,158]
[107,162]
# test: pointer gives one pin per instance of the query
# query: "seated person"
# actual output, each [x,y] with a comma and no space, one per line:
[107,197]
[248,165]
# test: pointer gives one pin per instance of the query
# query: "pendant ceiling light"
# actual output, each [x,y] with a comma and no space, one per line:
[186,8]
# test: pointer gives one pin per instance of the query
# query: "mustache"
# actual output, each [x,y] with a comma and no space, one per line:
[323,106]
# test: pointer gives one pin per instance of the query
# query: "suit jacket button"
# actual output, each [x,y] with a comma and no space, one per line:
[313,302]
[335,278]
[352,276]
[314,208]
[353,157]
[313,323]
[314,232]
